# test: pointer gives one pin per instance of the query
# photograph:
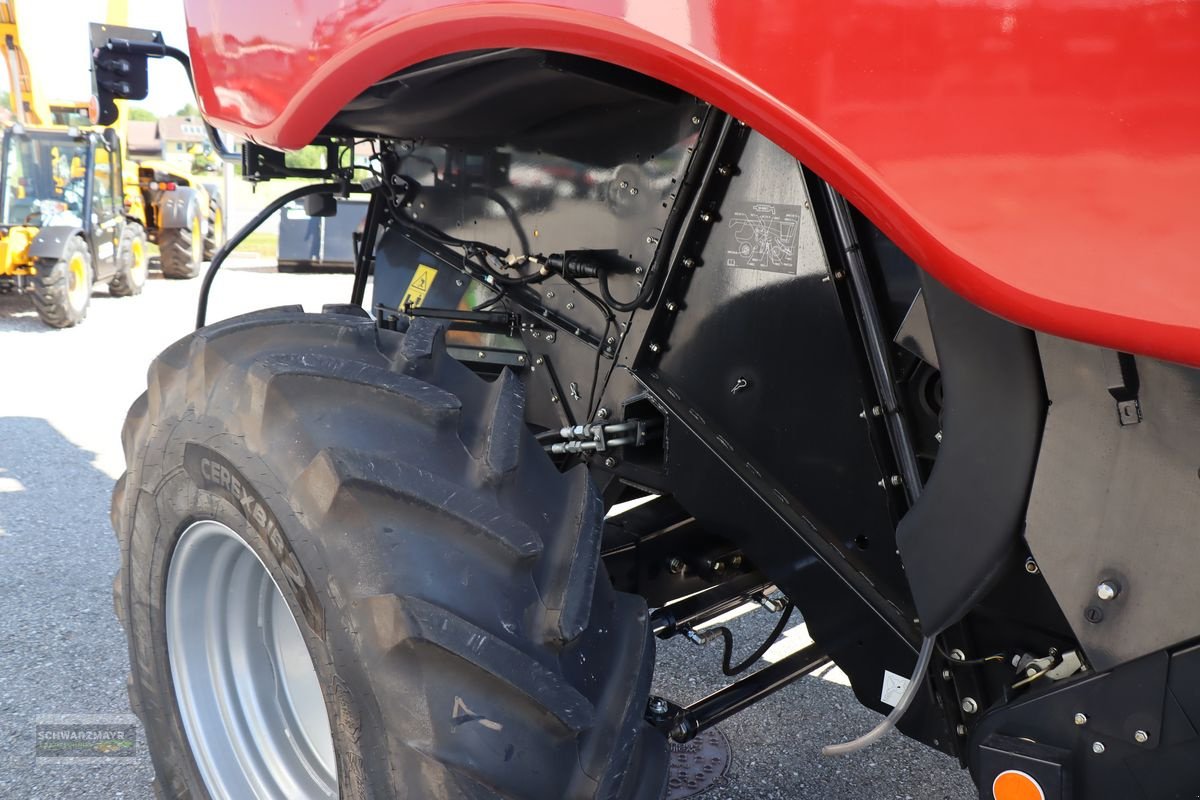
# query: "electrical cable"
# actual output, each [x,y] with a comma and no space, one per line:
[509,210]
[969,662]
[643,294]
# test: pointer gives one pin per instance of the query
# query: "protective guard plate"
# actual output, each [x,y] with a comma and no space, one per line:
[1117,498]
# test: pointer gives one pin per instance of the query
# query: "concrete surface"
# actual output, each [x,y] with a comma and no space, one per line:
[63,401]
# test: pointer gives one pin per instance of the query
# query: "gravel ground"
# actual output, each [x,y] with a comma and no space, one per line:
[62,651]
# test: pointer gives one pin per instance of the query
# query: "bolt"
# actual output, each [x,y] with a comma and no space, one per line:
[1031,566]
[689,262]
[896,480]
[946,675]
[957,655]
[1141,737]
[550,295]
[458,282]
[725,170]
[482,355]
[570,306]
[624,184]
[520,359]
[735,562]
[638,270]
[876,411]
[696,120]
[1098,748]
[610,462]
[969,706]
[553,398]
[961,730]
[672,305]
[654,348]
[675,565]
[1108,590]
[706,217]
[633,190]
[539,360]
[718,566]
[683,731]
[839,275]
[602,414]
[1093,614]
[1080,718]
[938,436]
[659,706]
[611,340]
[550,337]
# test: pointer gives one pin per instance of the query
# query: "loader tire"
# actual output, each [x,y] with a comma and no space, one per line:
[216,224]
[444,577]
[62,288]
[132,263]
[181,250]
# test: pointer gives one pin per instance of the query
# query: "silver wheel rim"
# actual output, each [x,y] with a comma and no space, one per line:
[248,693]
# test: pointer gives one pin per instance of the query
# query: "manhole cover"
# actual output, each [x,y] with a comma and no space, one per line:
[697,765]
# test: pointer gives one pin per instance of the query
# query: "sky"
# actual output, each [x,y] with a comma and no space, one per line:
[54,35]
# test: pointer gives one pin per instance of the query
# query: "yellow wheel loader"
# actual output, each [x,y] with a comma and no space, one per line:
[66,221]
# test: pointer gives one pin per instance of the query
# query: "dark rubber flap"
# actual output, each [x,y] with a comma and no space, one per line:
[957,538]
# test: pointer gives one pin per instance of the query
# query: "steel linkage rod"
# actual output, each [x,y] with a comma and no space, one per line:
[683,724]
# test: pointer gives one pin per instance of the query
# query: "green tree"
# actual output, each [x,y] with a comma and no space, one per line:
[142,114]
[188,110]
[311,157]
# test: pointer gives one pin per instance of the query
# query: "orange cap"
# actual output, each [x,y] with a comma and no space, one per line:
[1016,785]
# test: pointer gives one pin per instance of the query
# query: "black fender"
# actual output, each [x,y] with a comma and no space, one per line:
[50,242]
[176,208]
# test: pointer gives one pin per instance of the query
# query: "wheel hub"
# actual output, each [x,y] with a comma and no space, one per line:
[248,694]
[77,283]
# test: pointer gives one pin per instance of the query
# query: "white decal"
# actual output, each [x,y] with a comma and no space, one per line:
[893,687]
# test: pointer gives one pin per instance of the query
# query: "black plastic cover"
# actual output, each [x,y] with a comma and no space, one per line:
[967,524]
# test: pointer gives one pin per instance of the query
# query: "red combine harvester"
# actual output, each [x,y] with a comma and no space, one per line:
[885,312]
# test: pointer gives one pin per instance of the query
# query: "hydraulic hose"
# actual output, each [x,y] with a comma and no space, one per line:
[249,228]
[879,731]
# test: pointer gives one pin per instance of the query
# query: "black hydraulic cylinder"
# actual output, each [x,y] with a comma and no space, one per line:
[670,620]
[749,690]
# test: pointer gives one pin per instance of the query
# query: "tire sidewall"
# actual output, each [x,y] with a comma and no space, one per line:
[89,283]
[205,488]
[136,277]
[132,280]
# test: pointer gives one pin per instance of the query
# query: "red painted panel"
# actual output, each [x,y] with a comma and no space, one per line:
[1043,158]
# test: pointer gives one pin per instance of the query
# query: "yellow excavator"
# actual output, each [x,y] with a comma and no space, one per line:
[74,211]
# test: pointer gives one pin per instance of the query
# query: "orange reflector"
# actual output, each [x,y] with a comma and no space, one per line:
[1016,785]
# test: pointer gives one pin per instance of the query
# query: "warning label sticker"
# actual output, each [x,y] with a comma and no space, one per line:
[764,237]
[893,688]
[418,287]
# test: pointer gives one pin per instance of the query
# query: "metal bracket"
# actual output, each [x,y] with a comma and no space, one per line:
[1124,385]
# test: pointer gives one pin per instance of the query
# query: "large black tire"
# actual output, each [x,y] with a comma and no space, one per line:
[181,253]
[445,575]
[132,262]
[62,289]
[216,223]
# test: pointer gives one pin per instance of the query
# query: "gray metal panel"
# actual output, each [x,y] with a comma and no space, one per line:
[1119,502]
